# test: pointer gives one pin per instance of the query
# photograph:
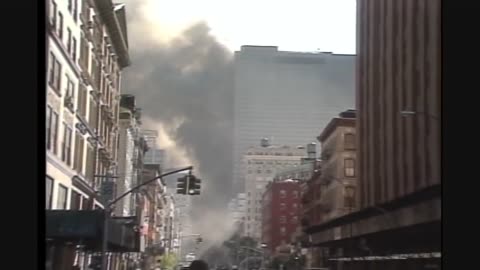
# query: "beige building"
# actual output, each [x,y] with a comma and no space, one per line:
[338,175]
[261,164]
[87,50]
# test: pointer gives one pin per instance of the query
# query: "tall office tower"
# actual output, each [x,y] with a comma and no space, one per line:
[286,96]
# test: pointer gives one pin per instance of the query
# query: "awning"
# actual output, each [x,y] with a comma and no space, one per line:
[85,227]
[432,255]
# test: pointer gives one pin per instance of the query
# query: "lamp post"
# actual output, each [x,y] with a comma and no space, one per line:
[109,204]
[408,113]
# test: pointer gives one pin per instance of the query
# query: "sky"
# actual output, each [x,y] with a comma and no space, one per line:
[300,25]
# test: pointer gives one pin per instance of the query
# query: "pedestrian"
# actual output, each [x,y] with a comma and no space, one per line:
[198,265]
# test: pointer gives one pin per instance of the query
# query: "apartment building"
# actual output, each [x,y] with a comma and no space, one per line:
[87,51]
[261,163]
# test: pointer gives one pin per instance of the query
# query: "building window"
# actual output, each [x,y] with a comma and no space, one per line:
[349,141]
[52,127]
[75,10]
[55,68]
[283,194]
[70,6]
[67,144]
[82,100]
[89,165]
[295,206]
[295,194]
[349,167]
[79,150]
[283,230]
[53,15]
[283,219]
[69,94]
[60,25]
[282,206]
[75,201]
[62,197]
[48,192]
[74,50]
[295,220]
[69,40]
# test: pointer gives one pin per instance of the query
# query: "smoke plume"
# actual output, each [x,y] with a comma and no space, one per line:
[183,82]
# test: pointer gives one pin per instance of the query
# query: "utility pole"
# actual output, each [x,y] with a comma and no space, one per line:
[108,203]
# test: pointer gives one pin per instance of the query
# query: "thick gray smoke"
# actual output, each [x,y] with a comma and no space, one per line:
[185,88]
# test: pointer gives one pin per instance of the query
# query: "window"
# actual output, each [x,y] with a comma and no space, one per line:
[295,194]
[69,40]
[349,167]
[67,144]
[259,171]
[75,10]
[89,166]
[75,201]
[53,15]
[92,118]
[79,150]
[74,50]
[60,25]
[295,220]
[62,197]
[295,206]
[282,206]
[70,6]
[70,91]
[283,219]
[283,230]
[349,141]
[48,192]
[82,100]
[283,194]
[52,127]
[55,69]
[84,54]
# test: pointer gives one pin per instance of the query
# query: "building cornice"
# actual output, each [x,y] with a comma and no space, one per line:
[119,40]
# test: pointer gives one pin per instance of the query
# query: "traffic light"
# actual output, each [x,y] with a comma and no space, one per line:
[194,186]
[182,185]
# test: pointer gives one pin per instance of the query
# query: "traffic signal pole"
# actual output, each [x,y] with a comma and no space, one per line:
[109,204]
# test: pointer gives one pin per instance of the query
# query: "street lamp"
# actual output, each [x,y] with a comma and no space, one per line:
[408,113]
[107,207]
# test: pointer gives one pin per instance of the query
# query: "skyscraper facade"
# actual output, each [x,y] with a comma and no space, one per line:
[286,96]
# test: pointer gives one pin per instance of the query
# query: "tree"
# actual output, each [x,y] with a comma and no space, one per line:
[169,260]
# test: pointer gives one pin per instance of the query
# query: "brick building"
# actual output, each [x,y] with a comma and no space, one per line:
[281,211]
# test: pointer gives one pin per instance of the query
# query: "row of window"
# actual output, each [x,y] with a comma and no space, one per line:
[283,220]
[283,194]
[77,201]
[52,128]
[57,20]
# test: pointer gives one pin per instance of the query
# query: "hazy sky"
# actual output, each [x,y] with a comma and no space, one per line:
[300,25]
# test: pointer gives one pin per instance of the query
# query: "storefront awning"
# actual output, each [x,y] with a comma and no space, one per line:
[86,228]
